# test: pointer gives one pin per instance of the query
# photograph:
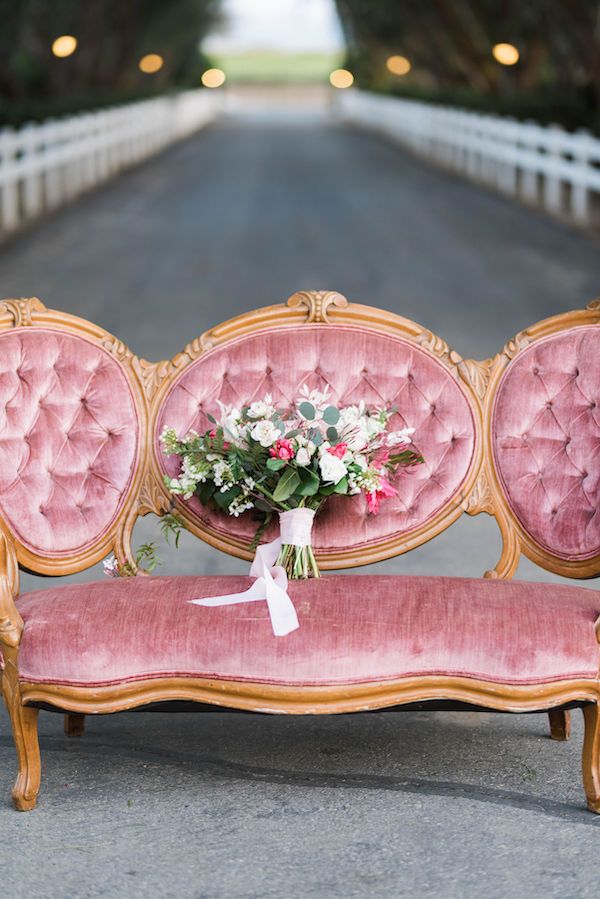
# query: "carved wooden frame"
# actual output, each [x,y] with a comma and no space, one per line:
[516,540]
[481,492]
[323,307]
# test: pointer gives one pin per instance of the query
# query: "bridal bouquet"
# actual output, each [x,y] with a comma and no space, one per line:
[290,461]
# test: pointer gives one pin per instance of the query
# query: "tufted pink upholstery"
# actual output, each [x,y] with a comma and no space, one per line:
[353,629]
[357,364]
[68,439]
[546,441]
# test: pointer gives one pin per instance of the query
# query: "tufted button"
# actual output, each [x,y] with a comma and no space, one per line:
[567,441]
[536,371]
[592,405]
[554,511]
[268,370]
[549,404]
[432,407]
[576,373]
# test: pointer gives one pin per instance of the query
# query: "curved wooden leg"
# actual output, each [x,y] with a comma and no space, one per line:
[27,784]
[24,726]
[560,724]
[591,756]
[74,724]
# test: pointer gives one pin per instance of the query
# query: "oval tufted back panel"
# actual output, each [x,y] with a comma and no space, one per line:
[357,364]
[69,439]
[546,441]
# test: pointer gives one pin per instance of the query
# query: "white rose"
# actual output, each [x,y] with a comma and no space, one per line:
[303,456]
[265,433]
[259,409]
[332,468]
[349,415]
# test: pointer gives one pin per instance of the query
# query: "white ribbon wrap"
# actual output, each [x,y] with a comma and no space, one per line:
[271,580]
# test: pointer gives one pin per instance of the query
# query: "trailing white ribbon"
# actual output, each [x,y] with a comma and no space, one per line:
[271,580]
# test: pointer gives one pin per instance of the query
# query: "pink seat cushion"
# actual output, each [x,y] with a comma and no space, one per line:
[353,629]
[355,364]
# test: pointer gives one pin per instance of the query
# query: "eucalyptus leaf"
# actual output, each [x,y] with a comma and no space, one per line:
[332,435]
[212,418]
[307,410]
[331,415]
[316,437]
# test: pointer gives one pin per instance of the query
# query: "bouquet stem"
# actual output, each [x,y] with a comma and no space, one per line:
[298,561]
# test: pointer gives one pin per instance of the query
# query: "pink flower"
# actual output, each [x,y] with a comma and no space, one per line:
[338,450]
[213,434]
[283,449]
[374,498]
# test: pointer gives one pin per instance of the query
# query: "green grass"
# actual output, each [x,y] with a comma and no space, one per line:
[270,67]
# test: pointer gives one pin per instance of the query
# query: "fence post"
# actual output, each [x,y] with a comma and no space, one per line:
[552,184]
[49,131]
[579,200]
[8,179]
[529,173]
[32,182]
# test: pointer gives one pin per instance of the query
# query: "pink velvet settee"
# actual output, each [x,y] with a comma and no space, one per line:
[516,436]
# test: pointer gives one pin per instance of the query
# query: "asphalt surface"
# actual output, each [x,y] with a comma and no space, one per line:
[226,805]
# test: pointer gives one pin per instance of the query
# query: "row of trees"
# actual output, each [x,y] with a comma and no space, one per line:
[112,36]
[449,44]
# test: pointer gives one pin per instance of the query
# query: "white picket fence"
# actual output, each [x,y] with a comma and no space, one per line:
[542,165]
[45,165]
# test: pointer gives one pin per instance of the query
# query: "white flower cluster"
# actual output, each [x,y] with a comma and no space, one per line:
[245,454]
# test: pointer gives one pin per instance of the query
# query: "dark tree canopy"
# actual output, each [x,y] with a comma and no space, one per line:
[112,37]
[449,44]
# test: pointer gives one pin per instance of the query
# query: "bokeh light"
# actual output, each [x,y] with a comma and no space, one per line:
[506,54]
[341,78]
[65,45]
[398,65]
[151,63]
[213,78]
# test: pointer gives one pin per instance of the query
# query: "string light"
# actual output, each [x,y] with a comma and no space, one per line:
[398,65]
[213,78]
[151,63]
[505,54]
[65,45]
[341,78]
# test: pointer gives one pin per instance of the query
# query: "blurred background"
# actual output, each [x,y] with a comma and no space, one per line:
[164,166]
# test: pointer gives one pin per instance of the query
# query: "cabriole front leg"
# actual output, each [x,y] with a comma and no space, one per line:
[591,756]
[27,784]
[24,723]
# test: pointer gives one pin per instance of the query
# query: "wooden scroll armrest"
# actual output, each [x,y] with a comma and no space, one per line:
[597,626]
[11,623]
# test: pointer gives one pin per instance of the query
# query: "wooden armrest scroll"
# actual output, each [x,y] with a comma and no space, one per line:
[11,623]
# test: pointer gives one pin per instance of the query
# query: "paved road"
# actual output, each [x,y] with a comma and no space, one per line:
[228,805]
